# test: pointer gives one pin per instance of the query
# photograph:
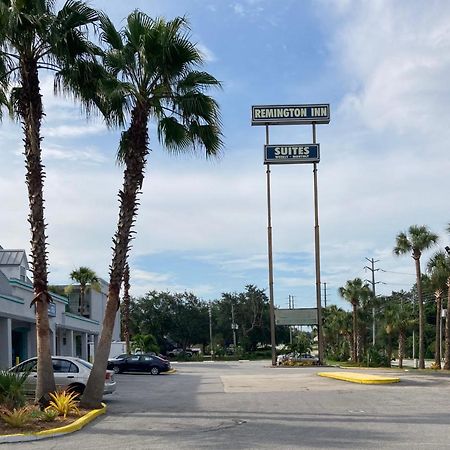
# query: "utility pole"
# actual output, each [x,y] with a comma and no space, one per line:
[325,293]
[291,306]
[373,283]
[233,326]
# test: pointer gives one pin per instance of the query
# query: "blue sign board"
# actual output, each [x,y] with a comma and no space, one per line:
[291,153]
[290,114]
[51,309]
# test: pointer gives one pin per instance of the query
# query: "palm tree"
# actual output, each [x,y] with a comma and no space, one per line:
[34,37]
[398,317]
[85,276]
[155,66]
[416,240]
[355,291]
[439,268]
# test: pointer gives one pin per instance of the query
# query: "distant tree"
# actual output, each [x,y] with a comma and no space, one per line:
[250,308]
[355,291]
[85,276]
[301,343]
[338,336]
[439,270]
[415,241]
[398,318]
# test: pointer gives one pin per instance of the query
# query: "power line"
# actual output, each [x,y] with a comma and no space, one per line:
[398,273]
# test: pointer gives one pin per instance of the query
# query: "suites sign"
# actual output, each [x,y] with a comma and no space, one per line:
[291,154]
[290,114]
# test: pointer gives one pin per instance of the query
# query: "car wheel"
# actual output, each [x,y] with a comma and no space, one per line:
[154,371]
[116,369]
[78,389]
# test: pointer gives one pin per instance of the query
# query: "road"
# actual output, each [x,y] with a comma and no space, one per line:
[250,405]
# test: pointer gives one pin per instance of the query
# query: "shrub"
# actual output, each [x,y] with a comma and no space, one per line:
[11,389]
[64,403]
[46,416]
[376,358]
[17,418]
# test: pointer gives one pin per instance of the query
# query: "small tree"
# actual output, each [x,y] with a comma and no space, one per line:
[84,276]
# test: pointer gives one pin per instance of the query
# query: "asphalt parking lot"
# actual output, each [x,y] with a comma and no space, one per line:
[246,405]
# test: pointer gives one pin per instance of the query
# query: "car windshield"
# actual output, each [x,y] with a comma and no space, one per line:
[84,363]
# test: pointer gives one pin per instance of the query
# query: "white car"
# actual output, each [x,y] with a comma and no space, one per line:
[70,373]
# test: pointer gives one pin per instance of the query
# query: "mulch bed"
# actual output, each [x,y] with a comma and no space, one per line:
[36,425]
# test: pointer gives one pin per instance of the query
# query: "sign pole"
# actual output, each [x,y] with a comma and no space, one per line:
[269,245]
[317,256]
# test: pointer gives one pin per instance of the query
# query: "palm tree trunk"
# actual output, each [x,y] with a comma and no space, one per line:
[135,159]
[355,333]
[82,293]
[389,349]
[401,348]
[447,330]
[421,314]
[30,111]
[126,307]
[437,352]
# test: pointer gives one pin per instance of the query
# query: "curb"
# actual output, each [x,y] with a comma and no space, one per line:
[169,372]
[74,426]
[360,378]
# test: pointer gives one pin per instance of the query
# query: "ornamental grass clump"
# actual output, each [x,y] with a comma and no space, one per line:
[64,402]
[17,418]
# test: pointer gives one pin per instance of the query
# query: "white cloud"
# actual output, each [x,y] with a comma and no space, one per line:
[65,131]
[207,53]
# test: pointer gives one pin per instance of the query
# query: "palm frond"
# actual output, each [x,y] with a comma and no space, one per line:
[403,245]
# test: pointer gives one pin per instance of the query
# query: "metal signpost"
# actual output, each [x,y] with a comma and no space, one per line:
[266,115]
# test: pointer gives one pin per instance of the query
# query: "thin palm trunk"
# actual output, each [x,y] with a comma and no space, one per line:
[135,159]
[447,330]
[355,333]
[421,314]
[401,348]
[82,294]
[126,307]
[389,349]
[437,353]
[30,111]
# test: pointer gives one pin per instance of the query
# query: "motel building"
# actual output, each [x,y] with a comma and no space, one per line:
[73,332]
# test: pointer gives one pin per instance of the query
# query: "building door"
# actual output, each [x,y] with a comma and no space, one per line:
[19,345]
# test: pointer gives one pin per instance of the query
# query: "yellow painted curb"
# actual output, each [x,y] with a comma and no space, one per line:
[169,372]
[74,426]
[361,378]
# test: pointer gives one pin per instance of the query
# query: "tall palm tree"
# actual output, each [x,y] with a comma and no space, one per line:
[34,37]
[415,241]
[355,291]
[85,276]
[156,68]
[439,268]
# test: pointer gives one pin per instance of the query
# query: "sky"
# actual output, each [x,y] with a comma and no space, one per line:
[383,67]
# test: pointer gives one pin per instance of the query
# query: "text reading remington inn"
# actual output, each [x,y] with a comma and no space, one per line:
[290,112]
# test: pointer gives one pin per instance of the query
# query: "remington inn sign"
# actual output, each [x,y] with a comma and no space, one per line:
[290,114]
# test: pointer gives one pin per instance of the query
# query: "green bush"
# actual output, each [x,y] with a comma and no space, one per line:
[376,358]
[11,389]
